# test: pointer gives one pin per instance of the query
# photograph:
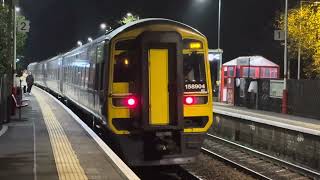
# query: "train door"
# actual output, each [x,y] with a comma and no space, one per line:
[161,80]
[100,74]
[158,86]
[61,74]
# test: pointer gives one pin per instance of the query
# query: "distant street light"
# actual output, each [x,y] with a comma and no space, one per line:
[90,39]
[129,14]
[79,43]
[18,9]
[103,26]
[17,60]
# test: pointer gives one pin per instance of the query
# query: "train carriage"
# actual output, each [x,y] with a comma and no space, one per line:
[146,83]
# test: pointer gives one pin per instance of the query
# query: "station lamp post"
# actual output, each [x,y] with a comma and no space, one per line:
[285,60]
[16,11]
[218,51]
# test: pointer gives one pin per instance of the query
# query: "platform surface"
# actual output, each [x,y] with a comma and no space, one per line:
[295,123]
[47,143]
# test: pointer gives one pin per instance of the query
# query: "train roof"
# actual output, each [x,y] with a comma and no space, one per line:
[130,26]
[124,28]
[141,22]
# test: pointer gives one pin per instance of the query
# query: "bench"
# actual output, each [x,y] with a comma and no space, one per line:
[23,102]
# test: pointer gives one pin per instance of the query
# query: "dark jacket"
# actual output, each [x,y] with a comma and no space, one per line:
[30,79]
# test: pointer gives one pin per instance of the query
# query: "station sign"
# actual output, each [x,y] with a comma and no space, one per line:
[215,54]
[23,26]
[279,35]
[276,88]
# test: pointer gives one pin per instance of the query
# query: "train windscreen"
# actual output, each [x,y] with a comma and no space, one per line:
[123,68]
[194,72]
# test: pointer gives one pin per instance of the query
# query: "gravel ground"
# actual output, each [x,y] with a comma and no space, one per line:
[208,168]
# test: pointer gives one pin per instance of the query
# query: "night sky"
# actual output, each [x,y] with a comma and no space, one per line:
[246,26]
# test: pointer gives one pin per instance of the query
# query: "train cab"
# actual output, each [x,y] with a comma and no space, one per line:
[159,89]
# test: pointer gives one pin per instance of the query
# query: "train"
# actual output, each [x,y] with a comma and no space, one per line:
[147,84]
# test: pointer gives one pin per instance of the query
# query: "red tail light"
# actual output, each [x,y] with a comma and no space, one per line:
[189,100]
[131,102]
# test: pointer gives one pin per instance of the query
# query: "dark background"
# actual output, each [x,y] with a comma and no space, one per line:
[246,26]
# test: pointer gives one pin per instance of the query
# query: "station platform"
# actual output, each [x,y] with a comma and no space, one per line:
[50,142]
[295,123]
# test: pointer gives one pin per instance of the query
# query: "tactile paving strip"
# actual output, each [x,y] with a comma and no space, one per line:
[67,163]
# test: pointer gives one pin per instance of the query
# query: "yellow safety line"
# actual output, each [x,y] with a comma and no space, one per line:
[67,163]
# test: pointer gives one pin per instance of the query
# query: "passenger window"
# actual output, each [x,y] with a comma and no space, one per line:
[92,58]
[100,54]
[100,63]
[252,72]
[231,71]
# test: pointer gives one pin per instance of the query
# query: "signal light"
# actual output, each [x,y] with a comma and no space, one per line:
[189,100]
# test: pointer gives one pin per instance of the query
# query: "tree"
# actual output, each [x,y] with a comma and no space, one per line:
[304,30]
[6,39]
[129,18]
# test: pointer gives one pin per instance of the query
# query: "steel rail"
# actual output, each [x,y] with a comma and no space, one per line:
[277,160]
[236,165]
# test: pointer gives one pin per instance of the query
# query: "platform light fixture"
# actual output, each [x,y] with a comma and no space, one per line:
[90,39]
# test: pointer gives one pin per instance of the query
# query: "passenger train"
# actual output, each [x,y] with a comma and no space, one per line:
[146,83]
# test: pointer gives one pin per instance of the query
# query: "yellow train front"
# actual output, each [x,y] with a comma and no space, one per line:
[159,103]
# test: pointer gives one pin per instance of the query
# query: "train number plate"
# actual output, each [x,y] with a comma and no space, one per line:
[195,87]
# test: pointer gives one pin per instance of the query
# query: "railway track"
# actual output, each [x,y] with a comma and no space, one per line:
[257,164]
[165,172]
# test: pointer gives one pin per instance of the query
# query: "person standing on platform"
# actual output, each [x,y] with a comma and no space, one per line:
[30,81]
[23,79]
